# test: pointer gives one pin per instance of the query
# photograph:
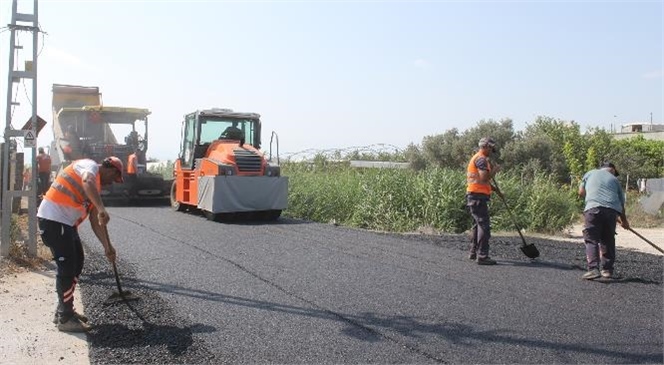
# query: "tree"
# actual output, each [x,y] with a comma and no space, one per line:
[415,157]
[453,149]
[442,150]
[537,151]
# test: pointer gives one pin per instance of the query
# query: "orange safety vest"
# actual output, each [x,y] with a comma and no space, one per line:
[67,189]
[132,162]
[473,177]
[44,163]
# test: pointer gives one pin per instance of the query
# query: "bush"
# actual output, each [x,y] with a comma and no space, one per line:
[165,170]
[403,200]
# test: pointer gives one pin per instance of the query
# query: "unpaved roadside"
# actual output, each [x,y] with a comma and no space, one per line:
[27,335]
[625,240]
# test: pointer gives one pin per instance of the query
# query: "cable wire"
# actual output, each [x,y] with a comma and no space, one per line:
[42,42]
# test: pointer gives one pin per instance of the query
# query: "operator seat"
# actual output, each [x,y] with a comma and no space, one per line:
[233,133]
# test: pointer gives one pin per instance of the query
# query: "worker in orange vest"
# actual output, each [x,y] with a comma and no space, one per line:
[26,178]
[73,196]
[44,170]
[478,192]
[132,171]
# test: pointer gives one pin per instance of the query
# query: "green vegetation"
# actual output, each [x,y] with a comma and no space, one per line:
[402,200]
[541,169]
[552,146]
[165,169]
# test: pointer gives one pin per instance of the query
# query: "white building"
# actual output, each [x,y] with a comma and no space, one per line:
[647,130]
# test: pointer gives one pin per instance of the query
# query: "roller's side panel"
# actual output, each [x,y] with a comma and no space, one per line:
[229,194]
[187,190]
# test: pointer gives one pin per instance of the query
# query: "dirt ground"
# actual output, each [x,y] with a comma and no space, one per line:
[27,335]
[27,303]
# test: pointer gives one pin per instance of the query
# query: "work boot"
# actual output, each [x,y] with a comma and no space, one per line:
[472,256]
[81,317]
[486,261]
[591,274]
[73,325]
[607,274]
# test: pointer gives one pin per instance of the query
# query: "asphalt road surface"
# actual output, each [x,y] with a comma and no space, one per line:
[301,292]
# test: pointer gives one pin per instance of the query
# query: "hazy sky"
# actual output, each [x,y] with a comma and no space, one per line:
[336,74]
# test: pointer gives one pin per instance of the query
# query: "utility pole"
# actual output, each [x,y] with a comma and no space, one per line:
[30,23]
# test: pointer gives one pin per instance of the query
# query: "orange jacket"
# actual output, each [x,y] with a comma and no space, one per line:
[132,164]
[473,177]
[43,162]
[67,189]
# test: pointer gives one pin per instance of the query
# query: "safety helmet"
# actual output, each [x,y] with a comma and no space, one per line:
[116,163]
[487,142]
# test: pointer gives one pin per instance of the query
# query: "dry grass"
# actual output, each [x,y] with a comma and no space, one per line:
[19,259]
[638,218]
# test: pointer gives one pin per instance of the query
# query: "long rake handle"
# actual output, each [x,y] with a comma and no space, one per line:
[647,241]
[117,279]
[115,268]
[502,198]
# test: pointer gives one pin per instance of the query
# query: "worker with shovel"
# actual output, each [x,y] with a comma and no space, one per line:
[71,198]
[478,192]
[605,204]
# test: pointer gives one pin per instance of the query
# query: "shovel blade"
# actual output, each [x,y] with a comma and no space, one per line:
[124,296]
[530,251]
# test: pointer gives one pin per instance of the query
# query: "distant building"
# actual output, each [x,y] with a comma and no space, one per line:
[647,130]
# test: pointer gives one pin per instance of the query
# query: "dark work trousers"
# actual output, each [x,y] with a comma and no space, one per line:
[65,244]
[478,205]
[131,180]
[599,235]
[44,182]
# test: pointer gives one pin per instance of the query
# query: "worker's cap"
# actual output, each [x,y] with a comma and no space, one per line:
[116,163]
[487,142]
[607,164]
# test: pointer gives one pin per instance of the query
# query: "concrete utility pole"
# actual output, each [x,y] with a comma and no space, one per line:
[29,23]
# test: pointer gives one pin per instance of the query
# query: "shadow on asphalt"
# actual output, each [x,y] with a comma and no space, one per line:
[540,264]
[371,327]
[177,340]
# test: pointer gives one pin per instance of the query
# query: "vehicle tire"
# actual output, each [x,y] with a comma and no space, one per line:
[176,205]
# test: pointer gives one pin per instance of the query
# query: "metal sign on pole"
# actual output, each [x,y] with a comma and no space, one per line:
[20,22]
[29,139]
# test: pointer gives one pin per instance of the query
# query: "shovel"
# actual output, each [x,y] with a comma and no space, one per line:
[647,241]
[120,295]
[528,249]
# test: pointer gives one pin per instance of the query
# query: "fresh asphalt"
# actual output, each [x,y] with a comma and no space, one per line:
[299,292]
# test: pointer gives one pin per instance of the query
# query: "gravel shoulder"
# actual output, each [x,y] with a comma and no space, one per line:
[27,301]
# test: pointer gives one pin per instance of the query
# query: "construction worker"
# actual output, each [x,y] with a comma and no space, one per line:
[478,192]
[232,132]
[605,204]
[71,198]
[132,171]
[71,143]
[26,178]
[44,170]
